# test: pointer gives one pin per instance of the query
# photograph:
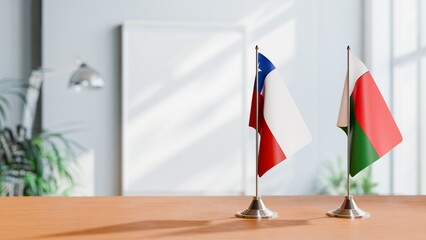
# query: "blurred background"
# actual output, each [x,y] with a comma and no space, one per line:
[172,115]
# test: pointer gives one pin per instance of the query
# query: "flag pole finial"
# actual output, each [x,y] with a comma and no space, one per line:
[348,48]
[257,47]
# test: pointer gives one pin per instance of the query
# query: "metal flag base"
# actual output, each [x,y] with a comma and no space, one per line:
[257,209]
[348,209]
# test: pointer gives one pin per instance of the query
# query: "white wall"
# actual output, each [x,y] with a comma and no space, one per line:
[340,23]
[15,47]
[378,59]
[398,75]
[314,35]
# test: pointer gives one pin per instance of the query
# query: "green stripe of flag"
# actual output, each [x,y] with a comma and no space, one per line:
[362,151]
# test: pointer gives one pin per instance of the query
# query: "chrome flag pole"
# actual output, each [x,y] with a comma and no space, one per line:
[257,208]
[348,209]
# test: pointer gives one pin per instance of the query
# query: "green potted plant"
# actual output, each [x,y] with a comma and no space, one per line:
[333,180]
[33,166]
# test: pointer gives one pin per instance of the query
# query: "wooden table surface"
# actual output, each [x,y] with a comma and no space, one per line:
[301,217]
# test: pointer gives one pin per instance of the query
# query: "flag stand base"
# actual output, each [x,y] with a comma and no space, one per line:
[348,209]
[257,209]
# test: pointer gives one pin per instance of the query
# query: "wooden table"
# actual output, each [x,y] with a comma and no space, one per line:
[392,217]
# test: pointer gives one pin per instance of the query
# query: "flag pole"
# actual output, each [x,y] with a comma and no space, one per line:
[348,148]
[257,121]
[257,208]
[348,209]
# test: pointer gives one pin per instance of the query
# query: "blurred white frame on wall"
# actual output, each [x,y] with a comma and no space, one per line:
[184,126]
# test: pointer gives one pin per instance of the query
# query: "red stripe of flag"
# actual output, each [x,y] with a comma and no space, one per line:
[270,152]
[373,115]
[252,121]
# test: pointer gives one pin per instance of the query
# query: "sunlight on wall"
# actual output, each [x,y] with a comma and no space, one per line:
[266,13]
[186,123]
[405,27]
[215,44]
[406,115]
[190,125]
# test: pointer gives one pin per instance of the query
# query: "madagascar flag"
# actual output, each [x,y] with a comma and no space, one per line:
[373,131]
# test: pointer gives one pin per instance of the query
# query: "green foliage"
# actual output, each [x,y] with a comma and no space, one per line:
[33,166]
[333,181]
[41,165]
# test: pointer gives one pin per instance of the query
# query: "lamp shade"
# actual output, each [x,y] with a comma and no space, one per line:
[86,77]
